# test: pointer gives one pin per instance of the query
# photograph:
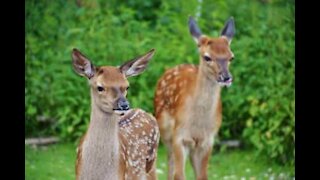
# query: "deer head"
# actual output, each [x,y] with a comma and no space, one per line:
[215,53]
[109,84]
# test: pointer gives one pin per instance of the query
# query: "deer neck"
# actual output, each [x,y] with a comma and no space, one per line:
[206,95]
[101,147]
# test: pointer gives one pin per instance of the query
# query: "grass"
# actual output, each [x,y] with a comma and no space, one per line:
[52,163]
[56,162]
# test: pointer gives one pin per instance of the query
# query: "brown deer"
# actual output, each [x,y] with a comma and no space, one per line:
[187,102]
[120,143]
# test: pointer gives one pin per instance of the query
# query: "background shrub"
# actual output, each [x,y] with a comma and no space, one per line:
[258,109]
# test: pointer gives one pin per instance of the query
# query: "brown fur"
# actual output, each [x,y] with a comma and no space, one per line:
[138,144]
[115,146]
[137,132]
[188,108]
[79,155]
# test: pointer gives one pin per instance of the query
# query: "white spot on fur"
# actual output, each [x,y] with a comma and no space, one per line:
[181,83]
[176,98]
[190,69]
[173,86]
[163,83]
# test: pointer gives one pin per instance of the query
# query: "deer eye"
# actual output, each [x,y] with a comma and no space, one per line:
[206,58]
[100,88]
[127,88]
[231,59]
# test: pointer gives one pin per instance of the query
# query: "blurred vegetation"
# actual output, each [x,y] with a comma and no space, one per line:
[258,109]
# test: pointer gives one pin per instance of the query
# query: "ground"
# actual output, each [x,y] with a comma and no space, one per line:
[56,162]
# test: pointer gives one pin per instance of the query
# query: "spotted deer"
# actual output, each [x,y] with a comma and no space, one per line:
[120,143]
[187,102]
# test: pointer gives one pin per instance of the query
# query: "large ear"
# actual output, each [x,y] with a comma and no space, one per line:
[137,65]
[81,64]
[229,29]
[194,29]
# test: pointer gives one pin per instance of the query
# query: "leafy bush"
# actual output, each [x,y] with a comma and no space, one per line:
[258,109]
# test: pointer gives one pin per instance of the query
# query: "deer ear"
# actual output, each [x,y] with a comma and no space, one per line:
[81,64]
[137,65]
[194,29]
[229,29]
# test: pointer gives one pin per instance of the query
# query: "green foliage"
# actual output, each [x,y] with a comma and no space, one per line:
[261,103]
[258,108]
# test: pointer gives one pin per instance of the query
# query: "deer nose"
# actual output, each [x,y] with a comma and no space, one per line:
[123,104]
[228,78]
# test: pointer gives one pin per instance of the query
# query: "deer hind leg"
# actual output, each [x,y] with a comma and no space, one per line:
[170,163]
[166,124]
[199,160]
[179,159]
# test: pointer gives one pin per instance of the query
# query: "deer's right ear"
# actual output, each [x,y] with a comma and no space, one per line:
[81,64]
[194,29]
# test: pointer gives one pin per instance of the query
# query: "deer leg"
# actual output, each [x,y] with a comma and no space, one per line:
[199,160]
[152,175]
[170,164]
[179,153]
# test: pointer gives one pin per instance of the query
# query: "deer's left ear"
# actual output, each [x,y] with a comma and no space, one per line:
[137,65]
[229,29]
